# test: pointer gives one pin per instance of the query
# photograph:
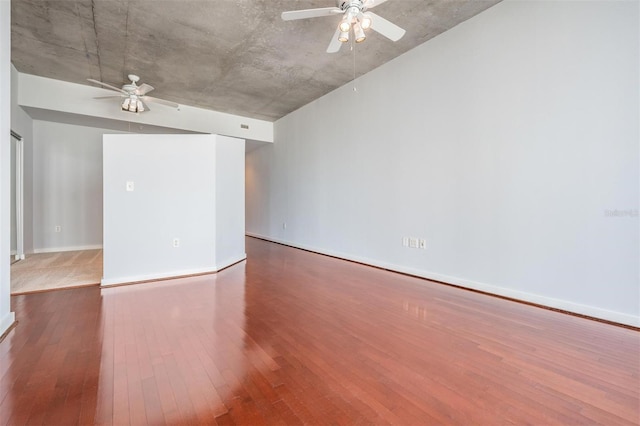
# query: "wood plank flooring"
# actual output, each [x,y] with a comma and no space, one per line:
[48,271]
[290,337]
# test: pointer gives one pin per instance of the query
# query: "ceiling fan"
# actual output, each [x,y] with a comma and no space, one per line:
[135,97]
[355,16]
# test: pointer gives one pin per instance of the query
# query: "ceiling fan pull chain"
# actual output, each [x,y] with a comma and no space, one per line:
[353,48]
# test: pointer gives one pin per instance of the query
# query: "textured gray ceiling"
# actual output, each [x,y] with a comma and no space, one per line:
[234,56]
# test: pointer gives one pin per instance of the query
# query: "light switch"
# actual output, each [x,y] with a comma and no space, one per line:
[129,186]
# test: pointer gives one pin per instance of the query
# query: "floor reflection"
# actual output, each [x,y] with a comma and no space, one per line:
[50,363]
[291,337]
[177,348]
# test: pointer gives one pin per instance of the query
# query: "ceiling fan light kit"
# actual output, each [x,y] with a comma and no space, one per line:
[345,25]
[133,104]
[365,21]
[358,32]
[355,17]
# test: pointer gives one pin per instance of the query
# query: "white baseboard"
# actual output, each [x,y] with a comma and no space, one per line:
[172,274]
[576,308]
[72,248]
[15,255]
[159,276]
[231,261]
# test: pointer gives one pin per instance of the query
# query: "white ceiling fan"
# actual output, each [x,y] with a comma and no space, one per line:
[135,97]
[355,16]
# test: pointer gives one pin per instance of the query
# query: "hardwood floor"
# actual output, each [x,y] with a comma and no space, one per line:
[291,337]
[49,271]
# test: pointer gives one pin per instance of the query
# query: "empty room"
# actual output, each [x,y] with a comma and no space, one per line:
[253,212]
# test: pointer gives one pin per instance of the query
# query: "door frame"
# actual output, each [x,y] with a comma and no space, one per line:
[19,201]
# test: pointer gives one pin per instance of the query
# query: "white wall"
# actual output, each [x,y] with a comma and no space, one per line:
[505,143]
[175,182]
[22,123]
[67,186]
[230,199]
[6,316]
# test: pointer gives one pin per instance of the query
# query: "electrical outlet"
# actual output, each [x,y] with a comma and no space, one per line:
[405,241]
[422,243]
[413,242]
[58,228]
[130,186]
[176,242]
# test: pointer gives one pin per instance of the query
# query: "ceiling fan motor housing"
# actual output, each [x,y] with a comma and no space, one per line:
[131,87]
[347,4]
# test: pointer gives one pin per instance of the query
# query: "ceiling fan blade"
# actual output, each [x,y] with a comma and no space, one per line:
[386,28]
[110,97]
[143,89]
[310,13]
[161,101]
[146,107]
[370,4]
[335,44]
[117,89]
